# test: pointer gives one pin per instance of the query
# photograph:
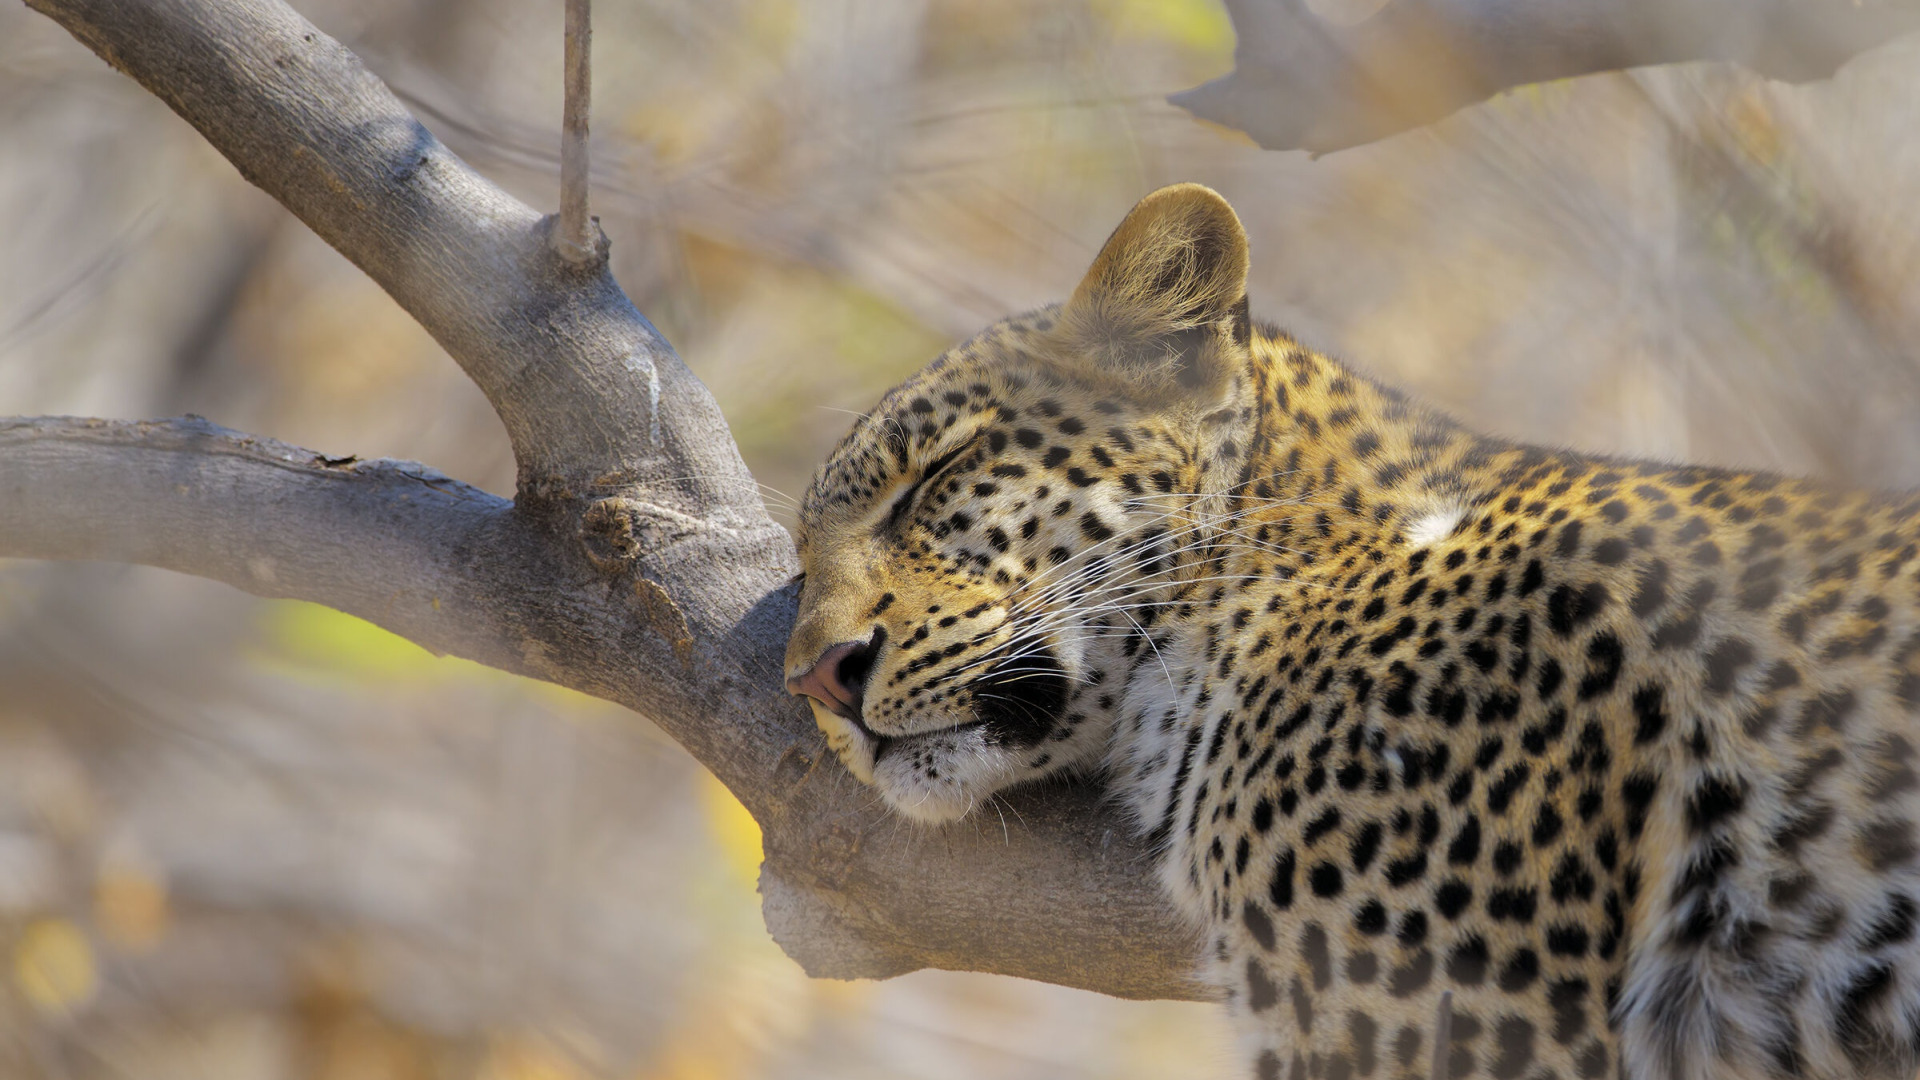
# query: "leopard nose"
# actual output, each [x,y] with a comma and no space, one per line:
[838,678]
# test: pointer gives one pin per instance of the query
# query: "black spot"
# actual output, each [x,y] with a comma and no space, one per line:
[1371,918]
[1405,871]
[1886,844]
[1328,821]
[1501,793]
[1512,904]
[1571,880]
[1651,595]
[1828,710]
[1406,1046]
[1546,825]
[1361,1034]
[1366,843]
[1637,791]
[1532,578]
[1313,947]
[1513,1045]
[1567,609]
[1258,924]
[1507,857]
[1569,539]
[1894,926]
[1326,880]
[1611,551]
[1095,529]
[1650,710]
[1567,939]
[1261,993]
[1467,964]
[1715,799]
[1362,967]
[1857,1036]
[1521,969]
[1413,929]
[1465,847]
[1413,976]
[1567,998]
[1550,676]
[1280,889]
[1607,655]
[1452,898]
[1302,1006]
[1725,662]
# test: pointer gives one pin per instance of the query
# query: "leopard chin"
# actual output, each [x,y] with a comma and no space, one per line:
[1018,708]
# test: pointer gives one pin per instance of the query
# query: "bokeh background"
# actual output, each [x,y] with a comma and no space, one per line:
[264,841]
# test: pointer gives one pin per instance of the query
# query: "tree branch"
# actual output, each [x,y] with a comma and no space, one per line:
[571,367]
[1324,75]
[576,235]
[272,519]
[610,573]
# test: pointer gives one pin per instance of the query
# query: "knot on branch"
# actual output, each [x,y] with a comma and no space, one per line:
[581,254]
[609,531]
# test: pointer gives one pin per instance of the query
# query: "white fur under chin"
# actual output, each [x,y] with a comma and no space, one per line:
[941,776]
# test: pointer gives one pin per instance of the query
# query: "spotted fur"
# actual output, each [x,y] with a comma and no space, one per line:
[1619,753]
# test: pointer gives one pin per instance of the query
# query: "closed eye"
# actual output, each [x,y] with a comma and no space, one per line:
[905,500]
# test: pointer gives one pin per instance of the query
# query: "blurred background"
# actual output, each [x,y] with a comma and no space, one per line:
[264,841]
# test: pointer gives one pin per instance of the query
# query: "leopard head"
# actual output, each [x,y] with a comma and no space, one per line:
[982,550]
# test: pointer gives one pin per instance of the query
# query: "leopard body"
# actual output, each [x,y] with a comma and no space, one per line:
[1618,754]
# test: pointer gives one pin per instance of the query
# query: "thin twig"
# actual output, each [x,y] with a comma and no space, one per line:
[574,238]
[1442,1035]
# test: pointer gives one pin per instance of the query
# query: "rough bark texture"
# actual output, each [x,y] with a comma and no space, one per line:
[634,563]
[1324,75]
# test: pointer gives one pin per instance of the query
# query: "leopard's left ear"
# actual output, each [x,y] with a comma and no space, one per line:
[1164,307]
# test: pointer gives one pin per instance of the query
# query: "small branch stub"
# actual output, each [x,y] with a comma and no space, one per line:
[575,238]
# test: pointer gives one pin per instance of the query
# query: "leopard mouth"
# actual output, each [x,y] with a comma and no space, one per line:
[883,745]
[1020,700]
[1016,705]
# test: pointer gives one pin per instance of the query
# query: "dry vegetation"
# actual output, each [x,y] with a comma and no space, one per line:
[260,840]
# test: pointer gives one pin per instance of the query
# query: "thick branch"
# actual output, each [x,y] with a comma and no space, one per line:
[1324,75]
[188,495]
[1055,892]
[611,573]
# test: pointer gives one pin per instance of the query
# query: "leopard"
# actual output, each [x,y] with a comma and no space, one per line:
[1463,757]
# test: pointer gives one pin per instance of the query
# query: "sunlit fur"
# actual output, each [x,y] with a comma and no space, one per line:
[1618,753]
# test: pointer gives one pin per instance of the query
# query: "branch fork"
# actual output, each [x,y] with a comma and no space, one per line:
[626,566]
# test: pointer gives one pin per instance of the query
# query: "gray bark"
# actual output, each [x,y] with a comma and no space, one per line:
[634,563]
[1324,75]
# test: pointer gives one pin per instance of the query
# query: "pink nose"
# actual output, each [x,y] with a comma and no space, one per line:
[838,679]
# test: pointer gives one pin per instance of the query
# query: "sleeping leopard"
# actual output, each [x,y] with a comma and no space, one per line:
[1618,755]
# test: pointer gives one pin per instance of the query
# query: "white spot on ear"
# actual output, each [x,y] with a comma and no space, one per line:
[1435,526]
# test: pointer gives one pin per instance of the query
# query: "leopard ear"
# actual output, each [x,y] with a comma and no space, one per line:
[1164,307]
